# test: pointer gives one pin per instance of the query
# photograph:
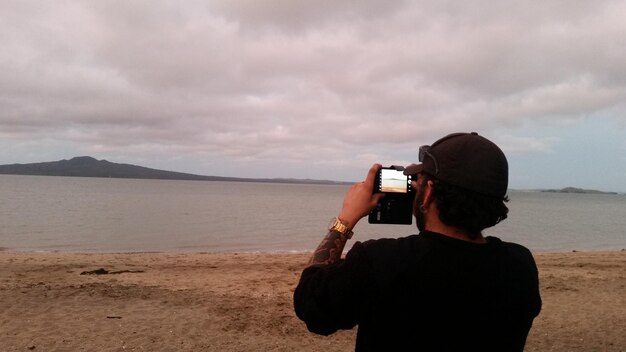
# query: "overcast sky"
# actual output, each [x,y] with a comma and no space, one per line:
[316,89]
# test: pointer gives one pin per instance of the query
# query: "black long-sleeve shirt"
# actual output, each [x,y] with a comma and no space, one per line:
[426,292]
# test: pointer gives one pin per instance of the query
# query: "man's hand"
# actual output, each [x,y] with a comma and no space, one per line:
[360,199]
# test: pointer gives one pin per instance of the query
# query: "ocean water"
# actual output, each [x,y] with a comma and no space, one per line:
[40,213]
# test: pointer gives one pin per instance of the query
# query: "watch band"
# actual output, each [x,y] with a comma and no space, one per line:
[338,226]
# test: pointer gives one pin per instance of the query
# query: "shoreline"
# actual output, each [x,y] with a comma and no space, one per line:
[165,301]
[263,252]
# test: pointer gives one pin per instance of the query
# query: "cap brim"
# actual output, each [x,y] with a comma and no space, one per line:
[413,169]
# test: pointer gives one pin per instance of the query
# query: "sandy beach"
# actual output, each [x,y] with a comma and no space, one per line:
[243,302]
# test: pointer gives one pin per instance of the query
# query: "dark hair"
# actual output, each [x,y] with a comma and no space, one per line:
[468,210]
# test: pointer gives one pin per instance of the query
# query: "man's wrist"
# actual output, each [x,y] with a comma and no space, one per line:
[342,227]
[349,219]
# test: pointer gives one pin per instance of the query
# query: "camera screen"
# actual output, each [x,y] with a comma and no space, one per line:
[393,181]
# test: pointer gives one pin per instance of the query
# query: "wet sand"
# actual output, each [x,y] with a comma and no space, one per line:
[243,302]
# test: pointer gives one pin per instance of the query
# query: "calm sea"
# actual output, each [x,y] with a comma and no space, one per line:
[123,215]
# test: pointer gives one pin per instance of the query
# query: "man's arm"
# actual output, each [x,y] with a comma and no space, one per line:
[312,296]
[357,203]
[330,249]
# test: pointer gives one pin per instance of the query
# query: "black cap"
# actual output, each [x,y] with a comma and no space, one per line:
[465,160]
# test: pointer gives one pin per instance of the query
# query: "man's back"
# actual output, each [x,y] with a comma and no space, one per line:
[425,292]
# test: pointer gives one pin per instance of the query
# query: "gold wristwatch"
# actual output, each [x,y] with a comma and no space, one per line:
[338,226]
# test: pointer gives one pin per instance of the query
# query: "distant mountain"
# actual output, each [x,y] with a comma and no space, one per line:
[86,166]
[576,190]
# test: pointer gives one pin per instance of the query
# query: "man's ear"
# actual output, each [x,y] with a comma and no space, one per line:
[428,194]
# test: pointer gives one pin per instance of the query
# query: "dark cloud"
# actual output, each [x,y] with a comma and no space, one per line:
[297,16]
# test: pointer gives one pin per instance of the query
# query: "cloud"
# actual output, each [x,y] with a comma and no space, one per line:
[323,82]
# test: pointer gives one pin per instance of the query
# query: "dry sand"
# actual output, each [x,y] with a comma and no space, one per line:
[243,302]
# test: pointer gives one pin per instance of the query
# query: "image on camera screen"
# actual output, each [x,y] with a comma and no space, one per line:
[393,181]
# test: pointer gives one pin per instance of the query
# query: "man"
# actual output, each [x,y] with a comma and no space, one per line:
[448,288]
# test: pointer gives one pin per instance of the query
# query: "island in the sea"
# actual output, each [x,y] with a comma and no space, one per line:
[86,166]
[576,190]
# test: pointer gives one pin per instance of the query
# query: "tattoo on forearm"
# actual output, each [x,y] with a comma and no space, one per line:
[330,249]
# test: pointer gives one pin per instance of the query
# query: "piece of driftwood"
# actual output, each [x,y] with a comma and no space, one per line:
[103,271]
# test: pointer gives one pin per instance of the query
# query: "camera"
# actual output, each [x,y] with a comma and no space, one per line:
[397,205]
